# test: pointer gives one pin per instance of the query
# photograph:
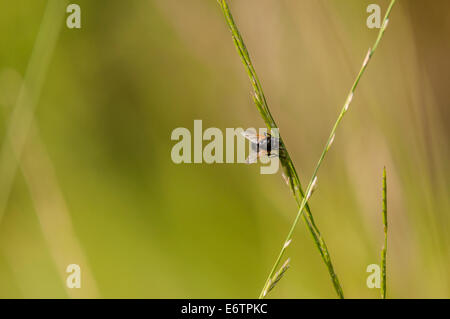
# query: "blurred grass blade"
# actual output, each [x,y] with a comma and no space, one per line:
[384,250]
[290,173]
[23,148]
[23,112]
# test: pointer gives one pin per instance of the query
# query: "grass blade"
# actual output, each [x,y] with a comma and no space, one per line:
[313,180]
[280,273]
[288,166]
[332,135]
[384,250]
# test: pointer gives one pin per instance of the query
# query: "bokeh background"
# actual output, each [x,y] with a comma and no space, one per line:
[87,178]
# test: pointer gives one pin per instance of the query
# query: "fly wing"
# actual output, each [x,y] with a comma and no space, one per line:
[251,135]
[275,143]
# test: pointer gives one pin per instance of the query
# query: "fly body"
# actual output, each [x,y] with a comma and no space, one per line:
[261,145]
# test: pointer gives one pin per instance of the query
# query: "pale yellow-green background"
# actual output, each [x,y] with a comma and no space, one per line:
[96,185]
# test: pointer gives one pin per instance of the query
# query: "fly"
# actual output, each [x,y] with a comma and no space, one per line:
[261,145]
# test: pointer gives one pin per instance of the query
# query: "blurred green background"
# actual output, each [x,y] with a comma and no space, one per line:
[92,182]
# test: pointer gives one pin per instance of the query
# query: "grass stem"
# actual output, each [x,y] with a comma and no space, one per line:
[384,250]
[330,140]
[288,166]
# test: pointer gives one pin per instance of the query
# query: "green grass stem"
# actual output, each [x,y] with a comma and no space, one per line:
[288,166]
[384,250]
[313,180]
